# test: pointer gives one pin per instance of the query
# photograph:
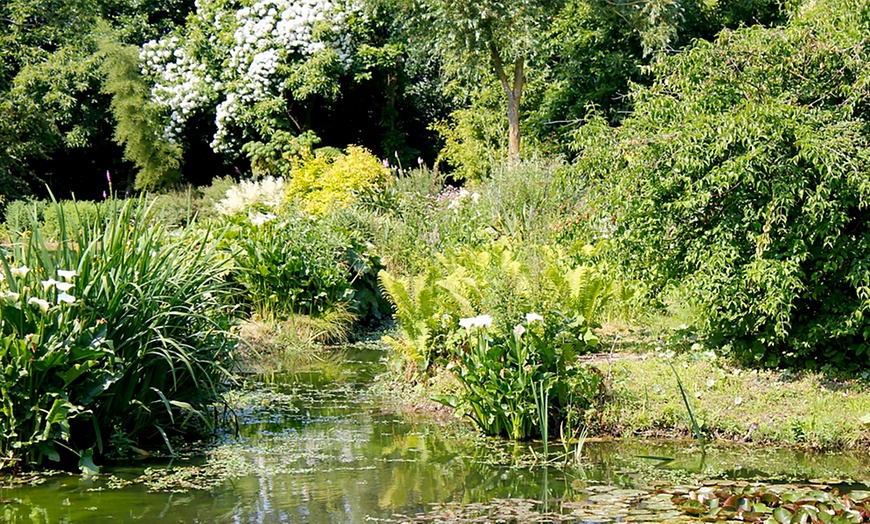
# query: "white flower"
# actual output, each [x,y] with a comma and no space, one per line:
[478,321]
[66,275]
[711,383]
[19,271]
[47,284]
[519,330]
[259,219]
[533,317]
[475,197]
[65,297]
[12,296]
[64,286]
[738,401]
[43,304]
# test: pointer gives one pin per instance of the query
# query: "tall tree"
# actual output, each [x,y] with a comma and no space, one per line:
[500,33]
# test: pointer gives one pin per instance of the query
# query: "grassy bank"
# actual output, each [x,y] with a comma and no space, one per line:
[806,410]
[641,399]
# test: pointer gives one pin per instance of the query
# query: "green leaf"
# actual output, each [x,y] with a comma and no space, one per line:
[782,515]
[86,463]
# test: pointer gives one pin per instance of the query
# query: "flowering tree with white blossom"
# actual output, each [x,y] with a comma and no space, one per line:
[246,65]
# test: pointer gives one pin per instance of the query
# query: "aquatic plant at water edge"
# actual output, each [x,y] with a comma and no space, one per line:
[115,338]
[522,383]
[495,279]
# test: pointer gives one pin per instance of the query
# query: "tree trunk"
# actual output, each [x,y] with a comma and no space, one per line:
[513,93]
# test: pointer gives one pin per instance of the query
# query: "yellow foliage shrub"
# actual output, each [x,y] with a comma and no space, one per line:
[326,181]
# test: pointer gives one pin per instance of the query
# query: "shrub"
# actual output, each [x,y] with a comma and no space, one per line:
[26,216]
[329,180]
[300,264]
[115,337]
[474,138]
[267,193]
[742,174]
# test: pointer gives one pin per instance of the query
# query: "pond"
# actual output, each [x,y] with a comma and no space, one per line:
[319,446]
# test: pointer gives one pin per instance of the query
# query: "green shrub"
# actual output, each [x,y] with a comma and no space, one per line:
[329,180]
[114,337]
[301,264]
[26,216]
[475,137]
[742,176]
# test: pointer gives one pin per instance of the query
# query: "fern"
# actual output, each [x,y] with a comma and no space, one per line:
[463,290]
[415,304]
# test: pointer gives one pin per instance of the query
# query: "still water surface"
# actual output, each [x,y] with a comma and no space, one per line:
[319,447]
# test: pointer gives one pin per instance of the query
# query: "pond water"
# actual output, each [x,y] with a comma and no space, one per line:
[319,447]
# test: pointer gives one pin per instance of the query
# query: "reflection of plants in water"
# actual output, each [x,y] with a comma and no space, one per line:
[687,463]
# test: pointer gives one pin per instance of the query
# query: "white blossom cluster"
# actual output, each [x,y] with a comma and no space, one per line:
[179,81]
[265,33]
[248,193]
[248,45]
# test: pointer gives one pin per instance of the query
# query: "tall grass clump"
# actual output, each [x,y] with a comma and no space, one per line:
[114,339]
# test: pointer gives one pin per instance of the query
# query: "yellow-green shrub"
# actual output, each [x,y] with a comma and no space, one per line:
[328,181]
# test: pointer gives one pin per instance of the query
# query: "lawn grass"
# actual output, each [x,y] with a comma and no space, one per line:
[801,409]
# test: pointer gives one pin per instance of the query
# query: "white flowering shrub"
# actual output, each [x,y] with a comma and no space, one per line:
[248,194]
[180,82]
[235,61]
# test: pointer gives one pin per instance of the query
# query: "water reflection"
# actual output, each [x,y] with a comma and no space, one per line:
[317,448]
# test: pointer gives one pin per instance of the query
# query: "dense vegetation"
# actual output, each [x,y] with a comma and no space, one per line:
[591,161]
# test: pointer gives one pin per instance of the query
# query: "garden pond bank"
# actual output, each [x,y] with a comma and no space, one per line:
[320,446]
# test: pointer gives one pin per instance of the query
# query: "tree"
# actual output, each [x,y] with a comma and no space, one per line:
[500,33]
[741,176]
[54,120]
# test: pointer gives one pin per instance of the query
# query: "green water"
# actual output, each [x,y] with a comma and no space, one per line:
[319,447]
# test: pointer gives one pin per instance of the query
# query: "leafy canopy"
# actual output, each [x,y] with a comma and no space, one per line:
[743,174]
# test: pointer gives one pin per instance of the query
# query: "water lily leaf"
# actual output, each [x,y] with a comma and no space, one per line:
[815,496]
[713,514]
[731,502]
[694,507]
[859,496]
[812,511]
[800,517]
[782,515]
[771,499]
